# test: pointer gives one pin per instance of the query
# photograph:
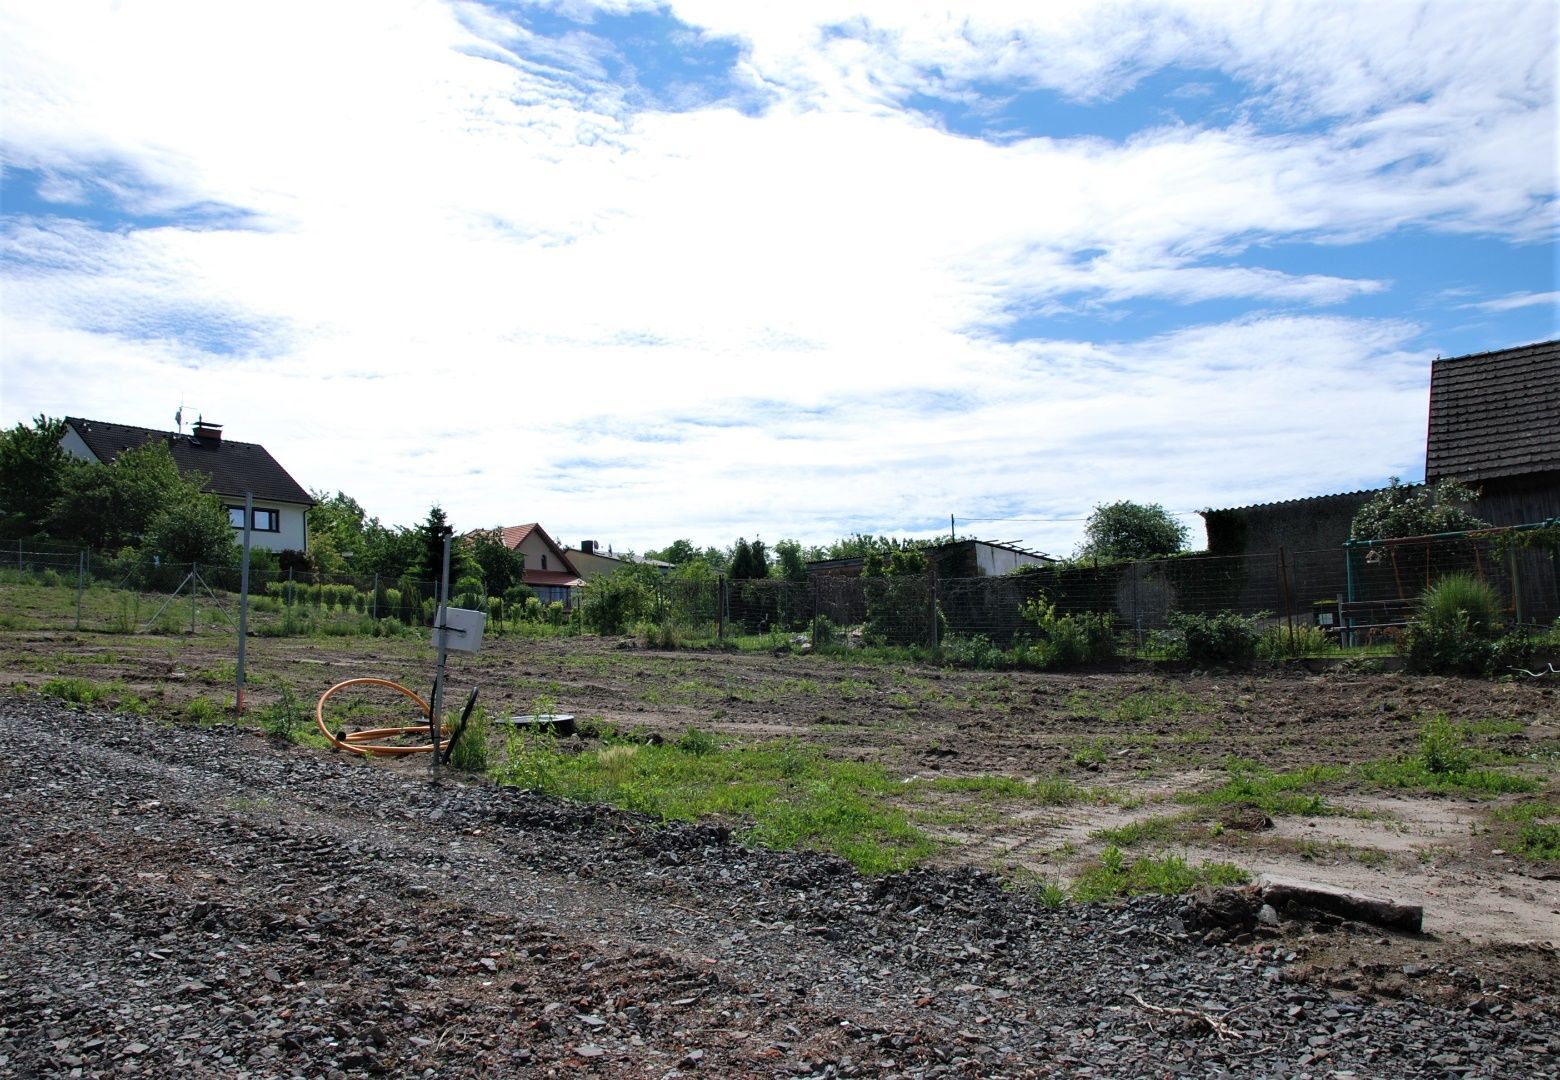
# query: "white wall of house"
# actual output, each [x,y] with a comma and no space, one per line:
[279,526]
[538,556]
[291,532]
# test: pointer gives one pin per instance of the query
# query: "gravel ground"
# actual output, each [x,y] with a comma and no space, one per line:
[181,901]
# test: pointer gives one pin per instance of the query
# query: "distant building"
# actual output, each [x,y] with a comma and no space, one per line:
[228,469]
[548,569]
[591,560]
[954,559]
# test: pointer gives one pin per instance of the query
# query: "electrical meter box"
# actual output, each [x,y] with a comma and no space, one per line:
[462,629]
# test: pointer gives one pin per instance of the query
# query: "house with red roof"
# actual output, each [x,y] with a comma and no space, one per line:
[547,566]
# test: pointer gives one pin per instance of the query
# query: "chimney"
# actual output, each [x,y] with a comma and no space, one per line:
[208,432]
[588,547]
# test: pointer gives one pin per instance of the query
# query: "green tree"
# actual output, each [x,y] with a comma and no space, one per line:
[113,506]
[502,567]
[1415,510]
[790,560]
[195,530]
[32,469]
[432,533]
[741,568]
[676,553]
[1129,530]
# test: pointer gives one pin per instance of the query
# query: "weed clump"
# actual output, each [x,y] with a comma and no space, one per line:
[1455,628]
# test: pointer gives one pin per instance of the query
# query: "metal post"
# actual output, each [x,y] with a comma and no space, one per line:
[720,609]
[814,584]
[194,596]
[289,588]
[374,600]
[81,583]
[931,600]
[1286,597]
[441,634]
[243,603]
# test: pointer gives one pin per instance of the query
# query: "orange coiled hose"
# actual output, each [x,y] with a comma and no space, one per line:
[370,740]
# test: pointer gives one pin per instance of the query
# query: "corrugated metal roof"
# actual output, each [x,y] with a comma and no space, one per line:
[232,467]
[1292,502]
[1495,414]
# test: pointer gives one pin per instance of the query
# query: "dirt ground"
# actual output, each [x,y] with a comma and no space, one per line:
[1139,738]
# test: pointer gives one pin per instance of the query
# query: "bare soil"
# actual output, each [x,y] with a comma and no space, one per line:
[1140,736]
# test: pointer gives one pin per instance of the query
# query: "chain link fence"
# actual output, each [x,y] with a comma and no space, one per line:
[49,587]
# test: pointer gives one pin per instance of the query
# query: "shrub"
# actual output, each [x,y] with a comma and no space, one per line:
[1222,640]
[284,717]
[661,635]
[1069,640]
[1455,628]
[825,635]
[975,651]
[1280,643]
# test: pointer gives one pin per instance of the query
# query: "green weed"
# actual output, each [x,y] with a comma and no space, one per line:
[1113,876]
[80,691]
[784,795]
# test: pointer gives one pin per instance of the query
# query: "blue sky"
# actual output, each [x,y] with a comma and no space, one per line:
[643,271]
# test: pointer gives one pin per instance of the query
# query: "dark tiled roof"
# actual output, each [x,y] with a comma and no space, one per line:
[1495,414]
[233,467]
[1359,496]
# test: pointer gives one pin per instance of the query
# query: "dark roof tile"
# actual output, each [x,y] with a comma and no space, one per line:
[232,467]
[1495,414]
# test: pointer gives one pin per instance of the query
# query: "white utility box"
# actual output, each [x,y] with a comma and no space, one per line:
[462,629]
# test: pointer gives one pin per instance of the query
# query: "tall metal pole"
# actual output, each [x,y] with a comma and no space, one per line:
[81,583]
[243,601]
[441,636]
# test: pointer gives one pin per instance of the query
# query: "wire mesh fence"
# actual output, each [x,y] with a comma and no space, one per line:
[49,587]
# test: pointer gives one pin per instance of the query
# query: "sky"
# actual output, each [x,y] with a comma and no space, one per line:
[708,268]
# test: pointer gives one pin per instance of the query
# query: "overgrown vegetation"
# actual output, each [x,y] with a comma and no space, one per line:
[1224,639]
[1455,628]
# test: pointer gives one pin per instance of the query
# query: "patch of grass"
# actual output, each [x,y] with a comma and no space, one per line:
[1045,791]
[80,691]
[1275,793]
[1536,837]
[1114,876]
[202,711]
[1090,752]
[784,795]
[1444,764]
[1160,828]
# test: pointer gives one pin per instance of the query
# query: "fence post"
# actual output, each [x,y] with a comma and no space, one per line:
[1516,585]
[194,594]
[289,587]
[813,583]
[1285,594]
[81,583]
[720,609]
[931,600]
[373,602]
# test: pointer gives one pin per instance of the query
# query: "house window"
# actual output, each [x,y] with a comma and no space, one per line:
[263,521]
[544,562]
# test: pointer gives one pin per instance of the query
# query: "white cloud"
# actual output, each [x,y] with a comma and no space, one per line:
[466,248]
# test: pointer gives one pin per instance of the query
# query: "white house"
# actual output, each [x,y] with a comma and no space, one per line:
[229,468]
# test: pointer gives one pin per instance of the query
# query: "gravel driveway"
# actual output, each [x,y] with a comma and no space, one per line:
[182,901]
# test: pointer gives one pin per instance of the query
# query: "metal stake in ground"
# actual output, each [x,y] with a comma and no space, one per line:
[243,603]
[441,632]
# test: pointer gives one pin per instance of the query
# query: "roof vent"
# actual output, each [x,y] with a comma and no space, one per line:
[206,431]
